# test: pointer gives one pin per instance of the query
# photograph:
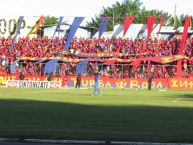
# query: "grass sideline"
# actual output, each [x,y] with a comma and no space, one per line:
[119,115]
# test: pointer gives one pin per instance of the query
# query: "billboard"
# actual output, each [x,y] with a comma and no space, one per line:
[88,82]
[8,25]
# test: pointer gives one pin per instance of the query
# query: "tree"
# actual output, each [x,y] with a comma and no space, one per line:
[142,16]
[50,21]
[175,21]
[118,11]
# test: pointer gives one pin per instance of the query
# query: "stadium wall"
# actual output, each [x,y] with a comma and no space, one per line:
[129,83]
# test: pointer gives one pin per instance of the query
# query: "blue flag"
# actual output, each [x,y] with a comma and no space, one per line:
[50,66]
[76,23]
[81,67]
[102,25]
[17,32]
[58,26]
[13,67]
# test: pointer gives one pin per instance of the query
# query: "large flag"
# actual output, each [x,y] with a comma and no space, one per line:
[35,28]
[18,27]
[50,67]
[150,22]
[184,34]
[182,44]
[76,23]
[127,22]
[58,26]
[102,25]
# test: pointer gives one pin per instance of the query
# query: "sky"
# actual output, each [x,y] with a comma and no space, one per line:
[88,8]
[182,6]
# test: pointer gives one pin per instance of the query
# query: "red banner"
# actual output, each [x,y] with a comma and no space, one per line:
[164,59]
[180,83]
[184,34]
[127,22]
[132,83]
[182,45]
[150,22]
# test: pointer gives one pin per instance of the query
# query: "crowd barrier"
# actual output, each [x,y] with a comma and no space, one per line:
[130,83]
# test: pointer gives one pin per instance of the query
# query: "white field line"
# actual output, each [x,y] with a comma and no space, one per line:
[36,92]
[82,142]
[178,99]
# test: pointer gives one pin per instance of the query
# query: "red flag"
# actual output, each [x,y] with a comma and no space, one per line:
[183,41]
[127,22]
[150,22]
[161,23]
[184,34]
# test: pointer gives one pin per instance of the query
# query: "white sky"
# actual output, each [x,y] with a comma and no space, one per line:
[53,7]
[86,8]
[183,6]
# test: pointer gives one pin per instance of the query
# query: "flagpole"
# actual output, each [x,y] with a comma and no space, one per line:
[113,20]
[175,17]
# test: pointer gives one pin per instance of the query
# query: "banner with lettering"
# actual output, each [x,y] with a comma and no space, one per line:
[88,82]
[33,84]
[8,25]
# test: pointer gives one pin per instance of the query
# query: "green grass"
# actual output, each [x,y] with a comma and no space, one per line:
[123,115]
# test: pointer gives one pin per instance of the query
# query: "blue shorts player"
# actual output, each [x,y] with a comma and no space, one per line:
[97,82]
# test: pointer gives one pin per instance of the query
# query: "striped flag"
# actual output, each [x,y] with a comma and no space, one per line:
[35,28]
[58,26]
[73,28]
[182,44]
[127,22]
[102,25]
[150,22]
[18,27]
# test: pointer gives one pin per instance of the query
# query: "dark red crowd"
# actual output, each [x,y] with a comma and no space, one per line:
[42,47]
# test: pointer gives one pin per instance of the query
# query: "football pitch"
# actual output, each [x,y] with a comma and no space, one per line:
[117,115]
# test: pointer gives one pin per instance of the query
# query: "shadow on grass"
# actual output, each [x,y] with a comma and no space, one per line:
[184,97]
[54,120]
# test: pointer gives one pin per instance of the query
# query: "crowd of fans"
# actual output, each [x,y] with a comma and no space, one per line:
[44,48]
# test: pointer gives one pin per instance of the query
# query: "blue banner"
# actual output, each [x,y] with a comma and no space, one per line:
[18,27]
[50,66]
[81,67]
[13,67]
[58,26]
[76,23]
[102,25]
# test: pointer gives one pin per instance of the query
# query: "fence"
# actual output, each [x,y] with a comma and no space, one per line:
[112,71]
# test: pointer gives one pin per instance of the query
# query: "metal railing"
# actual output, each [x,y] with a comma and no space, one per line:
[114,70]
